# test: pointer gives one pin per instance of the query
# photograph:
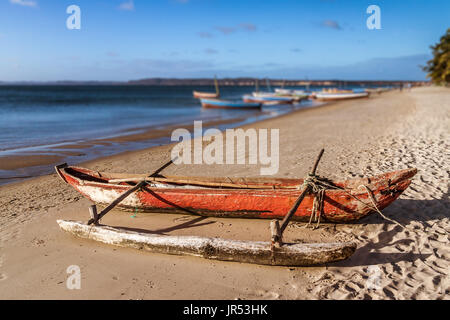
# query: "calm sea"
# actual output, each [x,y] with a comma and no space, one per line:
[35,119]
[42,115]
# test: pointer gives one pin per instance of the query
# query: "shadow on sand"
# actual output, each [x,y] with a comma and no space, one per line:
[366,254]
[409,210]
[185,225]
[404,211]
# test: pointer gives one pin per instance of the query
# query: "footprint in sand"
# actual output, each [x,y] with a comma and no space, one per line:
[2,275]
[264,294]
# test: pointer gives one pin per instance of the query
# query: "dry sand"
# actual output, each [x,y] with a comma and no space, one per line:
[387,132]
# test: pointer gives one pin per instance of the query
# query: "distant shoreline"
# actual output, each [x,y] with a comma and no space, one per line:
[222,82]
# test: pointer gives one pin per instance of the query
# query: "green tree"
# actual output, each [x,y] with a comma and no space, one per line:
[438,68]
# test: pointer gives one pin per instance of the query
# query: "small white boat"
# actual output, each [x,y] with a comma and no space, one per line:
[283,92]
[326,96]
[262,94]
[208,95]
[301,92]
[268,99]
[227,104]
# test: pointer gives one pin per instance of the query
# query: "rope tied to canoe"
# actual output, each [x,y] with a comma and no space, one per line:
[318,187]
[372,199]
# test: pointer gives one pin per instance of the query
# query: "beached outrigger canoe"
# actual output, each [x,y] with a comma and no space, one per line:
[227,104]
[225,197]
[343,201]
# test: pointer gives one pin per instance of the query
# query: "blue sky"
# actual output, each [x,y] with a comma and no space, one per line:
[133,39]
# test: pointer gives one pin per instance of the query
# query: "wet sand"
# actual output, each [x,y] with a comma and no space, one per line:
[34,163]
[386,132]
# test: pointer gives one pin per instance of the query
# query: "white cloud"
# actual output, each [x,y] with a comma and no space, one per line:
[112,54]
[25,3]
[205,34]
[248,26]
[211,51]
[226,30]
[127,5]
[331,24]
[242,26]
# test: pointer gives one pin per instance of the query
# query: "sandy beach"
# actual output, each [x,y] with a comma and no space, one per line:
[389,131]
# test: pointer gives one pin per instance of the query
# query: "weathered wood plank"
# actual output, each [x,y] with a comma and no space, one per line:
[256,252]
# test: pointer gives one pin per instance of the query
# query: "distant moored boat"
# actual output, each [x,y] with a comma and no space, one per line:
[325,96]
[200,95]
[227,104]
[268,99]
[263,94]
[208,95]
[283,91]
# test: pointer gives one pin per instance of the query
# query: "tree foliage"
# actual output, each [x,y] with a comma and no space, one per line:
[438,67]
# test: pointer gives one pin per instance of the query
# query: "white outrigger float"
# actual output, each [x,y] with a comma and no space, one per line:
[257,252]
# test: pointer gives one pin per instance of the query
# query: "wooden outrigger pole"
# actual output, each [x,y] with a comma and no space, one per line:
[93,209]
[275,227]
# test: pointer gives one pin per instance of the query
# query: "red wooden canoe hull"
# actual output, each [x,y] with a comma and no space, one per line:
[243,203]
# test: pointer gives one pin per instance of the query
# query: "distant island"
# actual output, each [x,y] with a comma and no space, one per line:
[222,82]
